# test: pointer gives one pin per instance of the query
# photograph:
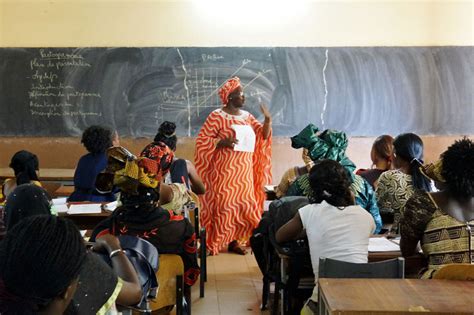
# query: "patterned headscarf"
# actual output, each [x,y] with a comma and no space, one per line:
[330,144]
[228,88]
[434,171]
[128,172]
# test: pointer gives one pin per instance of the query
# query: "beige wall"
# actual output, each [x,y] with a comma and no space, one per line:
[76,23]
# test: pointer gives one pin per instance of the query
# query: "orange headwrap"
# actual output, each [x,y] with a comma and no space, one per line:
[228,88]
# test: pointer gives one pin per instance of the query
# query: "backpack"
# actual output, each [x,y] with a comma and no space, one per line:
[144,258]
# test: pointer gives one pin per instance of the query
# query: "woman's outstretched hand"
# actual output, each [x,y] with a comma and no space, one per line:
[265,111]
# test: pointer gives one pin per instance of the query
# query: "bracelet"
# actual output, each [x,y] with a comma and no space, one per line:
[115,253]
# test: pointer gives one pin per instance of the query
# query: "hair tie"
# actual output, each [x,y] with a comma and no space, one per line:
[326,193]
[417,160]
[169,136]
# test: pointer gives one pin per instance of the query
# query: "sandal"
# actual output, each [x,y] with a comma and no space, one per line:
[234,247]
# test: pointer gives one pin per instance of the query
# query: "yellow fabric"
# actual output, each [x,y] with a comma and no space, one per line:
[180,198]
[103,310]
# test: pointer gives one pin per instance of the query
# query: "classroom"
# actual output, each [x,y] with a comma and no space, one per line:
[363,67]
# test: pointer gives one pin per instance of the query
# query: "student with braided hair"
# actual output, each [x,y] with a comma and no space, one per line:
[100,286]
[40,261]
[336,228]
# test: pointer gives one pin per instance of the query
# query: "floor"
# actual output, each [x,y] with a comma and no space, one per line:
[234,286]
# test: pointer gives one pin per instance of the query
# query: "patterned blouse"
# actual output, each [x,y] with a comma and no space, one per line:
[393,191]
[444,239]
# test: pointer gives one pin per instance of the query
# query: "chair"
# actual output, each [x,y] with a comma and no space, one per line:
[192,213]
[170,277]
[455,272]
[332,268]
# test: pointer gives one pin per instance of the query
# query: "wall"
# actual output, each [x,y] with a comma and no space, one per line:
[73,23]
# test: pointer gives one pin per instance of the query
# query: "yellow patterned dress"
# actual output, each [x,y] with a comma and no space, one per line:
[444,239]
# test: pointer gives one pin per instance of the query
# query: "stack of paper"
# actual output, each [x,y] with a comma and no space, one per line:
[381,244]
[85,208]
[59,205]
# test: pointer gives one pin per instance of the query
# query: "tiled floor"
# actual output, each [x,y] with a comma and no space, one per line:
[234,286]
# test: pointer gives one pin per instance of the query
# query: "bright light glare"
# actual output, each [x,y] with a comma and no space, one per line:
[251,12]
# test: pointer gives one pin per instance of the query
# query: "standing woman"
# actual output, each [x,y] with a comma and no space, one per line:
[233,202]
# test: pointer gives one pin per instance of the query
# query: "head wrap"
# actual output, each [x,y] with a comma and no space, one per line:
[433,171]
[330,144]
[26,200]
[228,88]
[128,172]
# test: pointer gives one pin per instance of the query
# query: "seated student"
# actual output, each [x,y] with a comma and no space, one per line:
[40,261]
[28,200]
[336,228]
[96,140]
[292,174]
[332,144]
[443,222]
[139,182]
[381,156]
[182,177]
[395,187]
[25,165]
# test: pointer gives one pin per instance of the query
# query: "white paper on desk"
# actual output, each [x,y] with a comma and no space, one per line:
[246,137]
[381,244]
[111,206]
[269,188]
[61,208]
[85,208]
[59,201]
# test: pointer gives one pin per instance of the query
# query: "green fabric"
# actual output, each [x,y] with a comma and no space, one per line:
[330,144]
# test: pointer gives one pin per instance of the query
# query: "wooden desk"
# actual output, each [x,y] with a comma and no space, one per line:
[395,296]
[46,174]
[86,221]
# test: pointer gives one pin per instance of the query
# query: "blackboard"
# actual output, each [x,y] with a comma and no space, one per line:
[363,91]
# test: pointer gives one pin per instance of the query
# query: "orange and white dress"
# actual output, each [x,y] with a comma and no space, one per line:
[233,203]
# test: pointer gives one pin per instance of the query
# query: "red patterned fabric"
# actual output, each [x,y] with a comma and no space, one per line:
[228,88]
[233,203]
[156,159]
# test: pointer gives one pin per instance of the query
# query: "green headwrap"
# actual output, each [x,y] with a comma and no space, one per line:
[330,144]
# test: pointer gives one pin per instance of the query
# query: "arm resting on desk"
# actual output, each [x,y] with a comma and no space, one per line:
[291,230]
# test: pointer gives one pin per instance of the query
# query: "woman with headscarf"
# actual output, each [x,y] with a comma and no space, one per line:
[443,222]
[25,165]
[100,286]
[234,177]
[139,182]
[332,144]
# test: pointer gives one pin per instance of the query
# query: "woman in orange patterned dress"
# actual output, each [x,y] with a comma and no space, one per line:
[234,177]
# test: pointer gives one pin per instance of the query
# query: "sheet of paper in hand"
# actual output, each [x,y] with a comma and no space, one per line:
[246,137]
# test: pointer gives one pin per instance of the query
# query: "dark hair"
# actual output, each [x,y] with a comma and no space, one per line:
[458,169]
[26,200]
[329,181]
[39,259]
[97,139]
[409,147]
[166,134]
[24,165]
[383,147]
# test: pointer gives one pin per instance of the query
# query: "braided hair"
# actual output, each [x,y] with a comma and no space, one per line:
[458,169]
[24,165]
[39,258]
[409,147]
[329,181]
[167,134]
